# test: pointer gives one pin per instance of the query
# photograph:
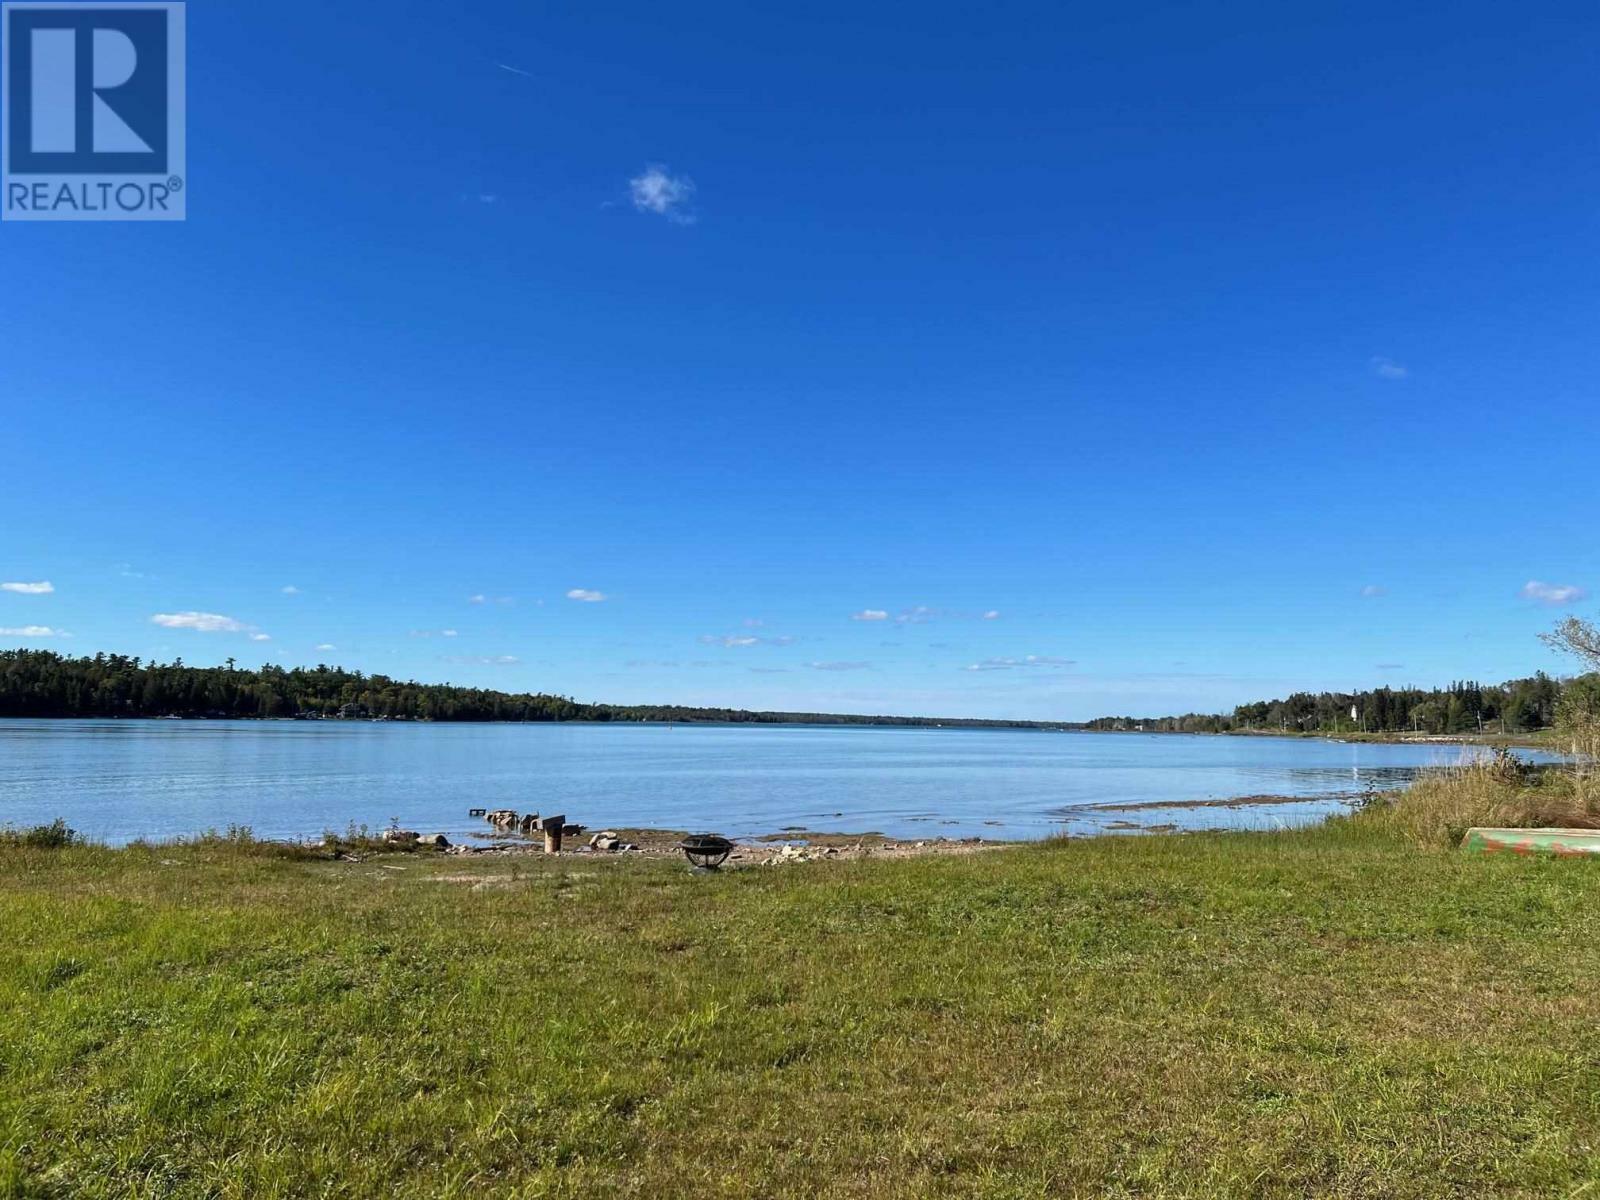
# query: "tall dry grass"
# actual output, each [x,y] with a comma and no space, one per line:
[1499,790]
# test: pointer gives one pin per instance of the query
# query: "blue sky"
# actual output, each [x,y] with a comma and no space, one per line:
[1144,357]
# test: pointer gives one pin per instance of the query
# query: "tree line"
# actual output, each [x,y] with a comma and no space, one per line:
[43,683]
[1516,706]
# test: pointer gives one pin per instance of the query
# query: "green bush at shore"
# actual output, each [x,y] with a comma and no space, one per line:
[1355,1010]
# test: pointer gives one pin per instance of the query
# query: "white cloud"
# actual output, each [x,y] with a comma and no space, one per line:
[742,639]
[585,596]
[514,70]
[732,639]
[1010,664]
[1373,590]
[480,598]
[290,590]
[326,646]
[260,637]
[1387,368]
[922,614]
[1552,593]
[32,631]
[840,666]
[448,633]
[659,191]
[485,660]
[753,622]
[201,622]
[43,588]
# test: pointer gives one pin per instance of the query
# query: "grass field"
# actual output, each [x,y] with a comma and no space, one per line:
[1351,1010]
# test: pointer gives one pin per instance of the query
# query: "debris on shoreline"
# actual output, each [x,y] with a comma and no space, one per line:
[518,835]
[787,848]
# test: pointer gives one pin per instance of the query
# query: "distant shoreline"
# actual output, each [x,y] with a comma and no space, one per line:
[798,720]
[1540,739]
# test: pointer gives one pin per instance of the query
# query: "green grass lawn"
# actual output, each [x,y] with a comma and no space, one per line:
[1331,1012]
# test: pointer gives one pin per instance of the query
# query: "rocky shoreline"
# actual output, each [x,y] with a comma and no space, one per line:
[791,846]
[527,835]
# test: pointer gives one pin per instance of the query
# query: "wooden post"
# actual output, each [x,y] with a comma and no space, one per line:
[552,827]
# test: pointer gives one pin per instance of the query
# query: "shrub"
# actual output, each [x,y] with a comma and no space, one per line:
[57,835]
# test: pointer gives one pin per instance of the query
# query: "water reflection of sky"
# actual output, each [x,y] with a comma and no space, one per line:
[118,780]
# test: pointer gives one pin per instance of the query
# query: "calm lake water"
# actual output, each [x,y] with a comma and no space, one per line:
[118,780]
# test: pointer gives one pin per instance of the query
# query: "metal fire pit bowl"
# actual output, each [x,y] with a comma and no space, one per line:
[707,851]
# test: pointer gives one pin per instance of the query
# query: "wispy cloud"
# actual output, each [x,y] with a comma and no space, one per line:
[260,637]
[586,596]
[201,622]
[840,666]
[481,598]
[326,646]
[428,633]
[1011,664]
[32,631]
[768,670]
[484,660]
[1373,590]
[43,588]
[657,190]
[514,70]
[1391,666]
[289,590]
[1552,593]
[1387,368]
[742,639]
[921,614]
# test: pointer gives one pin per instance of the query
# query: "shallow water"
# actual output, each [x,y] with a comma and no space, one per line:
[119,780]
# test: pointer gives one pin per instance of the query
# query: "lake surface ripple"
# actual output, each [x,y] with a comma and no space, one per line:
[120,780]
